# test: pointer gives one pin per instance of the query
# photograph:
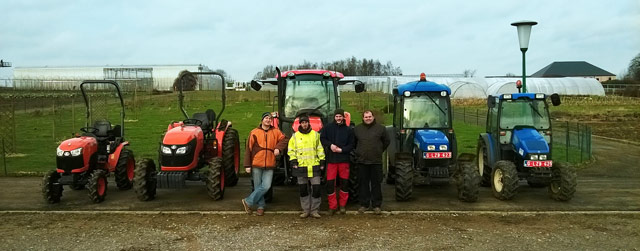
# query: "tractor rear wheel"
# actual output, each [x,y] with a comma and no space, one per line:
[504,180]
[404,178]
[391,173]
[125,170]
[51,188]
[482,164]
[145,180]
[215,188]
[468,182]
[563,182]
[97,185]
[231,157]
[354,183]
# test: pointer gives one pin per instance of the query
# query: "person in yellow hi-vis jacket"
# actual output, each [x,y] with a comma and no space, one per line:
[307,161]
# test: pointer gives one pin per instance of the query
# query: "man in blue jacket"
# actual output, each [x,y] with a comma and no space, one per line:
[338,141]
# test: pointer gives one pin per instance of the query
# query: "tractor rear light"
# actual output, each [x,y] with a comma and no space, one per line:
[450,131]
[181,150]
[76,152]
[443,147]
[539,95]
[166,150]
[503,133]
[506,96]
[407,93]
[431,147]
[534,157]
[543,157]
[59,152]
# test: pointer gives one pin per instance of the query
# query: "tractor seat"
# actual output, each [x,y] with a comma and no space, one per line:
[104,127]
[207,119]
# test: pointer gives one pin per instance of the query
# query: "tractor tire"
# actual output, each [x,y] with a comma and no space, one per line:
[537,182]
[404,179]
[391,173]
[125,170]
[51,188]
[468,182]
[215,188]
[504,180]
[354,183]
[482,164]
[145,180]
[77,185]
[231,157]
[563,182]
[97,185]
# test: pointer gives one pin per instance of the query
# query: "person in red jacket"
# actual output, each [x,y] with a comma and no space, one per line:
[264,144]
[338,141]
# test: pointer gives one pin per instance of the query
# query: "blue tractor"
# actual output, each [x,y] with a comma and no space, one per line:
[424,148]
[517,146]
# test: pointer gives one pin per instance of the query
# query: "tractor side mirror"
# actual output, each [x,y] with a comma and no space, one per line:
[359,86]
[491,101]
[555,99]
[255,85]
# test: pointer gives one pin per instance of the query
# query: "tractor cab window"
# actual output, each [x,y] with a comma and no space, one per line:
[426,110]
[524,112]
[311,94]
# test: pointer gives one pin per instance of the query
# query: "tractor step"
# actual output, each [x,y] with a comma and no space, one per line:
[172,179]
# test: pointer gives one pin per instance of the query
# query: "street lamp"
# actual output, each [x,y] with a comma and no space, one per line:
[524,31]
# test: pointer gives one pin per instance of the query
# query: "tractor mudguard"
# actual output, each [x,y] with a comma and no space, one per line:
[115,156]
[492,148]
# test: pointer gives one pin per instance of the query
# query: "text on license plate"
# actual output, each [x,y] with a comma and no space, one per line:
[437,155]
[538,163]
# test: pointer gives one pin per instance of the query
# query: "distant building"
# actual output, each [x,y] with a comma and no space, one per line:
[574,69]
[142,77]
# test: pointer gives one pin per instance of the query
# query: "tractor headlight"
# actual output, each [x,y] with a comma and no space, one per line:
[166,150]
[76,152]
[443,147]
[539,95]
[534,157]
[181,150]
[59,152]
[543,157]
[506,96]
[431,147]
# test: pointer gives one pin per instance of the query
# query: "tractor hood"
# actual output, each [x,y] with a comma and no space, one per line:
[528,141]
[181,135]
[423,138]
[75,143]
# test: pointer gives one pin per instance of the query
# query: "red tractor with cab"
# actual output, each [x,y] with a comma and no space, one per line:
[188,146]
[87,159]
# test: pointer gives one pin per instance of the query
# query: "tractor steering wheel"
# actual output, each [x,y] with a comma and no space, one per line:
[192,122]
[89,129]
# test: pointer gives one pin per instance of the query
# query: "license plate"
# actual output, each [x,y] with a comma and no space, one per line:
[437,155]
[538,163]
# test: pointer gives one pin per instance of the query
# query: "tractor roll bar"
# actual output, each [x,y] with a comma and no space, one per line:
[181,97]
[86,101]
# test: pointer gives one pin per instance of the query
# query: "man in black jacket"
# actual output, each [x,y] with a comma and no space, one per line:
[338,141]
[371,142]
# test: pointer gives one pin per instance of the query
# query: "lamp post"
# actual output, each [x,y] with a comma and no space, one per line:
[524,31]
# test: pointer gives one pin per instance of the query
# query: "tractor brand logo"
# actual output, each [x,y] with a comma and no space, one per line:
[174,147]
[521,152]
[437,155]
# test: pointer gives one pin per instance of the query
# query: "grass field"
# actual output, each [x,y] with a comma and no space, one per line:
[41,126]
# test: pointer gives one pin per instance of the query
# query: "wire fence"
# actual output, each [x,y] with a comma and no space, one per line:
[571,142]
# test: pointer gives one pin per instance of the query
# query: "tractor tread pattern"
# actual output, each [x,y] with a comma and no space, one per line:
[92,185]
[485,180]
[145,180]
[564,178]
[354,183]
[468,182]
[229,144]
[509,180]
[404,179]
[214,179]
[122,179]
[50,194]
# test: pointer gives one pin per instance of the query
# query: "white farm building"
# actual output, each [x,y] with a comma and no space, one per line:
[144,77]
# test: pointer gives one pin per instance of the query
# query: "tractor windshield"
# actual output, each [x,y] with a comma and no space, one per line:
[524,112]
[426,110]
[311,94]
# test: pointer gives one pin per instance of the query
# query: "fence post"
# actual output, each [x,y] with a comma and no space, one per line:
[464,115]
[477,117]
[4,158]
[53,132]
[580,143]
[568,141]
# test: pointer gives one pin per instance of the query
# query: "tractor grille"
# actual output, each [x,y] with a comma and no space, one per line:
[176,160]
[69,163]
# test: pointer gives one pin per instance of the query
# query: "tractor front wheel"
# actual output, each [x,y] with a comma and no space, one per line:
[468,182]
[97,185]
[563,182]
[231,156]
[404,178]
[51,188]
[215,188]
[504,180]
[125,170]
[145,180]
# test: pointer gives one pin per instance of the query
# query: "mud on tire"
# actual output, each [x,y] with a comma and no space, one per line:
[125,170]
[97,185]
[145,180]
[504,180]
[563,182]
[215,188]
[51,189]
[468,182]
[404,178]
[230,157]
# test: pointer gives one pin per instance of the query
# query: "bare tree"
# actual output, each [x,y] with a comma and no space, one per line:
[468,73]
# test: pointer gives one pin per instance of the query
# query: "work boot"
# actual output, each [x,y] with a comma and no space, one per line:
[343,210]
[316,215]
[377,210]
[260,212]
[304,215]
[361,210]
[246,206]
[331,212]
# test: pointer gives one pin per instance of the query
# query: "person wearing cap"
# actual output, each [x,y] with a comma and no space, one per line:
[264,144]
[307,161]
[338,141]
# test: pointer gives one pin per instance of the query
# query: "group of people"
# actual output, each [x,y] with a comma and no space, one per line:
[309,153]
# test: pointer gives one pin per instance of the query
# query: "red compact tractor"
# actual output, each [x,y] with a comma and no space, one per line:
[88,159]
[198,142]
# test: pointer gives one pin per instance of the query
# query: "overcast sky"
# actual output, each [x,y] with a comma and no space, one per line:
[241,37]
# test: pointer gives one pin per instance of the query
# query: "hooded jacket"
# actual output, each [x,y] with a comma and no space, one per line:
[261,144]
